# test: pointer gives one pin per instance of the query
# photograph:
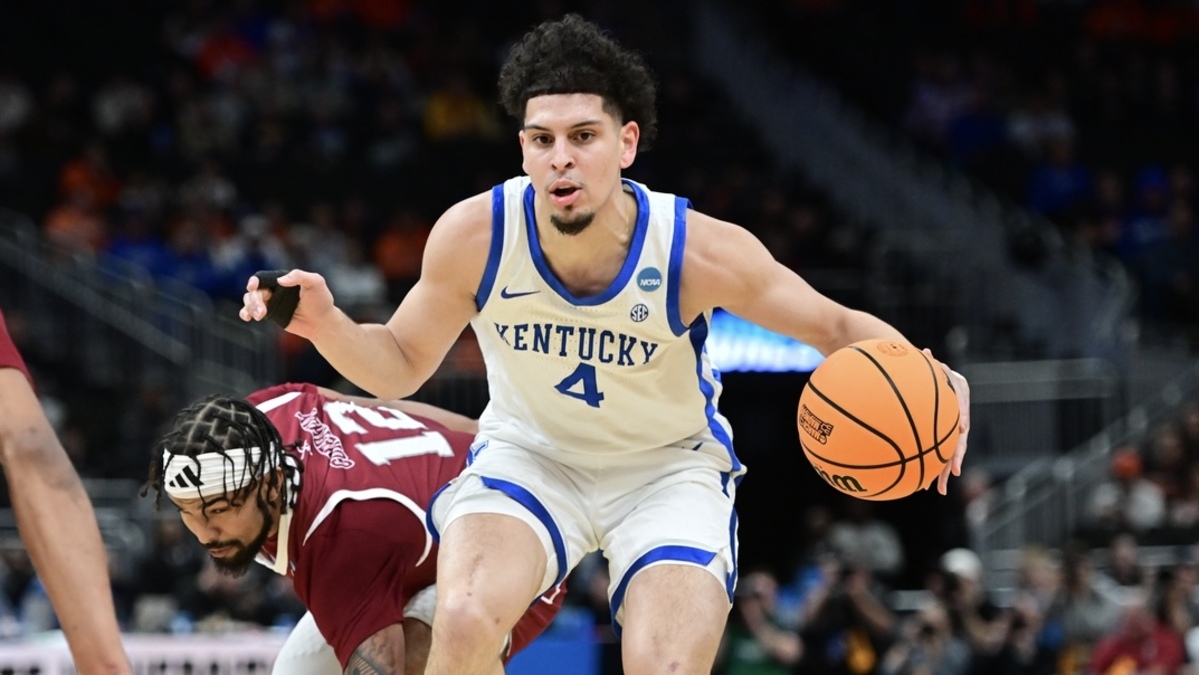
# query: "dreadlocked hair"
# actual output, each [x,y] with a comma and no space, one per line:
[216,424]
[574,56]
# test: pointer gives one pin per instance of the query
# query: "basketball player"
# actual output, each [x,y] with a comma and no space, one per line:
[56,521]
[329,490]
[591,297]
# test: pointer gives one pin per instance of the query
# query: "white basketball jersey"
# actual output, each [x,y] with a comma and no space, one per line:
[617,372]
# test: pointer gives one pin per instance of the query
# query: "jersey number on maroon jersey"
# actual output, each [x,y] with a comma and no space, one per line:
[350,417]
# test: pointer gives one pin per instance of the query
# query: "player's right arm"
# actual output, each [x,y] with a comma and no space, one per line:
[393,360]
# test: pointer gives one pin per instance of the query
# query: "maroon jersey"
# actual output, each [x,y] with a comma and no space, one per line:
[9,356]
[357,548]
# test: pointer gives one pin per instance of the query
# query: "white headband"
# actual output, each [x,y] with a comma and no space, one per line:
[210,474]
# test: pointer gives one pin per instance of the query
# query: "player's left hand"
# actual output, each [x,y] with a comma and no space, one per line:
[962,389]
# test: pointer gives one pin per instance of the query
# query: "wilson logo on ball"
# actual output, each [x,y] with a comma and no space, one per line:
[814,426]
[842,483]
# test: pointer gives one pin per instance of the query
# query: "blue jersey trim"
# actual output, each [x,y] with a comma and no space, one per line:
[675,272]
[699,333]
[496,249]
[688,554]
[429,512]
[731,582]
[527,500]
[630,262]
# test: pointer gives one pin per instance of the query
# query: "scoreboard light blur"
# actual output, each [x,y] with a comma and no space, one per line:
[736,345]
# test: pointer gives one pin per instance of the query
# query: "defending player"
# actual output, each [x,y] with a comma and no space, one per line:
[331,491]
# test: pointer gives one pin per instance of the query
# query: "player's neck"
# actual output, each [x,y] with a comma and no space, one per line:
[587,262]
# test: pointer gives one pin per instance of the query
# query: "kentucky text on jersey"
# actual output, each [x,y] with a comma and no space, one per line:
[588,344]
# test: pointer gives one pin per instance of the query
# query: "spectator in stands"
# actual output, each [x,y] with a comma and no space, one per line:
[355,279]
[220,603]
[1124,567]
[1039,576]
[1166,460]
[455,111]
[92,173]
[1184,509]
[1142,643]
[1060,182]
[1148,220]
[1085,610]
[939,95]
[398,249]
[973,616]
[845,621]
[1172,592]
[1127,500]
[321,242]
[927,644]
[1040,123]
[863,539]
[138,241]
[757,641]
[75,226]
[167,574]
[1027,648]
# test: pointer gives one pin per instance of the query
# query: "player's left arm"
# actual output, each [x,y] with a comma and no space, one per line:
[450,420]
[57,524]
[726,266]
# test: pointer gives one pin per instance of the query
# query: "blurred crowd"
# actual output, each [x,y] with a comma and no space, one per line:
[1079,611]
[327,135]
[1082,111]
[1152,488]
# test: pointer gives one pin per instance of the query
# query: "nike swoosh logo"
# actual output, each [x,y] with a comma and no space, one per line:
[508,296]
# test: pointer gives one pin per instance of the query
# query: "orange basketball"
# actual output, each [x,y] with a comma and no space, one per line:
[878,419]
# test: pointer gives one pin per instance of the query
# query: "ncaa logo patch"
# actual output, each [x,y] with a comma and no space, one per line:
[639,313]
[649,279]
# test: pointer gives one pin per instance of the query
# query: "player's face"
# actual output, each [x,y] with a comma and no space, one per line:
[574,152]
[233,530]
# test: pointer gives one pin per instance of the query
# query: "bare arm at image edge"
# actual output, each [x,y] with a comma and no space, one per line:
[57,524]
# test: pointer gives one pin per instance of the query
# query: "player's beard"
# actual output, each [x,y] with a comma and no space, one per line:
[244,555]
[572,225]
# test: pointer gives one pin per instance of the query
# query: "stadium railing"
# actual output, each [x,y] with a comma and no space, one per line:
[1045,502]
[123,327]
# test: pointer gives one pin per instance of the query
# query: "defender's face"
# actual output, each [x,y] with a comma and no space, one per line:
[574,152]
[233,531]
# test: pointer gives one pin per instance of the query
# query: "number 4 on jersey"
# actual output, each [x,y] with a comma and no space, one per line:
[583,378]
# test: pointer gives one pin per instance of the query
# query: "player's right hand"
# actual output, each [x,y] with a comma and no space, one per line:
[316,302]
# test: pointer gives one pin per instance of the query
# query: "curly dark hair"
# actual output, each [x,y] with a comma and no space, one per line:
[574,56]
[216,424]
